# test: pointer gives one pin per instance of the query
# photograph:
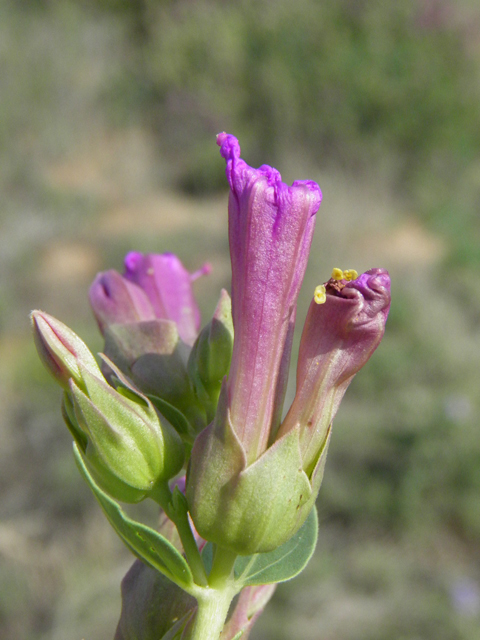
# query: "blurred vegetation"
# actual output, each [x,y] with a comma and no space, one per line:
[108,107]
[388,84]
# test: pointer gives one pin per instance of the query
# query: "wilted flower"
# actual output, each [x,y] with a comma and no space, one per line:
[150,319]
[339,336]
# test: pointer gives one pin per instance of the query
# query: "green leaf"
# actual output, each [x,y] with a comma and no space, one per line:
[283,563]
[239,635]
[146,543]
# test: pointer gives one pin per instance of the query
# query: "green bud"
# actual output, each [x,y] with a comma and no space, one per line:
[209,360]
[127,446]
[249,508]
[153,607]
[61,350]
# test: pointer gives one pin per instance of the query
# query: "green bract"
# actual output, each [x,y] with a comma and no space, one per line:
[128,449]
[209,360]
[152,354]
[249,508]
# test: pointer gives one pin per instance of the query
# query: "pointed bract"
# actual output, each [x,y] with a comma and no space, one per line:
[127,446]
[209,360]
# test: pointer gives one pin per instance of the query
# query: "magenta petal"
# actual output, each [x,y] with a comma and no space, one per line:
[270,232]
[168,286]
[338,338]
[115,300]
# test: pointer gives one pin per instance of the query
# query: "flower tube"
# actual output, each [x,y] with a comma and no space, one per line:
[270,232]
[255,508]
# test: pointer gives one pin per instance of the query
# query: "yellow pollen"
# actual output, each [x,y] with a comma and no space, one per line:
[320,294]
[337,274]
[350,274]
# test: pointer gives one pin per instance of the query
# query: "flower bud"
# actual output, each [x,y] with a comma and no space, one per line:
[209,360]
[152,286]
[62,352]
[152,605]
[129,448]
[249,606]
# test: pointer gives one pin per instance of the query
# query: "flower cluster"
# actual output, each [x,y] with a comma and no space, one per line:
[253,479]
[171,396]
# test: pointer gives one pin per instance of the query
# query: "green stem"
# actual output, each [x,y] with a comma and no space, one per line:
[222,568]
[211,614]
[189,544]
[163,496]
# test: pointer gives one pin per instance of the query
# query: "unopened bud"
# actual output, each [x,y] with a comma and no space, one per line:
[60,349]
[209,360]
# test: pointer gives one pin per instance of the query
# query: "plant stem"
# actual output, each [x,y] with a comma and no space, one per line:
[222,568]
[211,613]
[163,496]
[189,544]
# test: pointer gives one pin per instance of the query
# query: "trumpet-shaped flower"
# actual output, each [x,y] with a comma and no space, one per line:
[270,232]
[252,481]
[258,506]
[270,228]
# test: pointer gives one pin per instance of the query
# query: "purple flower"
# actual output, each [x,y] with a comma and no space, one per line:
[243,494]
[154,286]
[270,232]
[339,336]
[255,507]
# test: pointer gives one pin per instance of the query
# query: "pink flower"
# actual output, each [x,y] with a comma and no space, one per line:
[153,286]
[270,232]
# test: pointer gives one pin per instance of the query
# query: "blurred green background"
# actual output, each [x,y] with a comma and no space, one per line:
[108,115]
